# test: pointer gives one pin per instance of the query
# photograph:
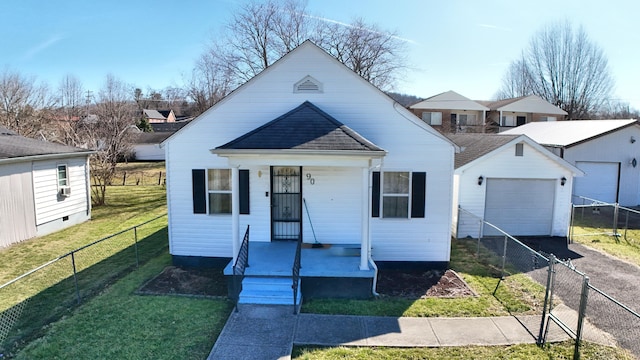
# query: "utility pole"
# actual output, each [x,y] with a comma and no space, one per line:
[88,102]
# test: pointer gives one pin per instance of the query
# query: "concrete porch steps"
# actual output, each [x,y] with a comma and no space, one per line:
[268,290]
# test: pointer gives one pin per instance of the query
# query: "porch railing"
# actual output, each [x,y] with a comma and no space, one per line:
[296,275]
[242,262]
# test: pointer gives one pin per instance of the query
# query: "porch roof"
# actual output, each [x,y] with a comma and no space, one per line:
[305,130]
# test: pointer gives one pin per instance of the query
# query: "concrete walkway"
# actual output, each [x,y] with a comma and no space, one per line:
[269,332]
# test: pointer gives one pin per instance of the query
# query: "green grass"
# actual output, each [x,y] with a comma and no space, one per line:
[595,229]
[50,293]
[516,294]
[140,173]
[524,351]
[121,325]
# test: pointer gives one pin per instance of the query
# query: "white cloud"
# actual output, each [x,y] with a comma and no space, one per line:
[43,46]
[495,27]
[351,26]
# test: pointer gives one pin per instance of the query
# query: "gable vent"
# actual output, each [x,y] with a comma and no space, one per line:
[307,85]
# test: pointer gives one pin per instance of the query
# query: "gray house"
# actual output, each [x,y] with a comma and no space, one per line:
[44,187]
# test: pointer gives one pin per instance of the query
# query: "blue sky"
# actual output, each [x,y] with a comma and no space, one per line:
[457,45]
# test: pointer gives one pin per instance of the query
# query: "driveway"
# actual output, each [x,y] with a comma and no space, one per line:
[617,278]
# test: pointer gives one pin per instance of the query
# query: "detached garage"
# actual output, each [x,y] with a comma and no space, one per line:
[607,151]
[513,183]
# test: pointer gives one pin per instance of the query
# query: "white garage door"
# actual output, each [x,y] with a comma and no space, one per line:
[520,207]
[600,181]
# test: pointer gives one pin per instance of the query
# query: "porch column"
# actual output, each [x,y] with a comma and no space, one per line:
[235,211]
[364,219]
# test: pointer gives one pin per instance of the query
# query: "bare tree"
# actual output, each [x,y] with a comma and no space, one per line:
[260,33]
[110,132]
[564,67]
[370,52]
[24,104]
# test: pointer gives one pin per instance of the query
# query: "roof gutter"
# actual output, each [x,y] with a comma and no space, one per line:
[231,152]
[45,157]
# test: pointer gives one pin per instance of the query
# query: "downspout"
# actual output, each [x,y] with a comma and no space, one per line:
[370,258]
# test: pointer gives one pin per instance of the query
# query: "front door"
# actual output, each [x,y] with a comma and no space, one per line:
[286,202]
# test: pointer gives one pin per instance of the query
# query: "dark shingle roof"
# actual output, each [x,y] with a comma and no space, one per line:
[13,145]
[475,146]
[151,137]
[303,128]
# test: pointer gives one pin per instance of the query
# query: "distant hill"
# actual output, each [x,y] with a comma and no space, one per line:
[404,99]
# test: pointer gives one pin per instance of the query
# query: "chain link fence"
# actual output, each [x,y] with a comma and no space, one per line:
[573,308]
[593,218]
[45,294]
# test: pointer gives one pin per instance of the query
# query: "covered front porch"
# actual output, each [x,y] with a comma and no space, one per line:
[331,261]
[330,271]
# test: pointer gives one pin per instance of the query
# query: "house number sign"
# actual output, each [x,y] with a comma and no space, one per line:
[311,180]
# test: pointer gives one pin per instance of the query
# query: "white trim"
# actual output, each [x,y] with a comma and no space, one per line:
[235,211]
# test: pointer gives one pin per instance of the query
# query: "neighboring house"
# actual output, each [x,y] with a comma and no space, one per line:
[170,127]
[513,183]
[607,151]
[508,113]
[450,112]
[147,146]
[309,151]
[44,187]
[159,116]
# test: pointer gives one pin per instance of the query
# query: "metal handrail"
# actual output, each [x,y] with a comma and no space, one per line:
[296,275]
[241,263]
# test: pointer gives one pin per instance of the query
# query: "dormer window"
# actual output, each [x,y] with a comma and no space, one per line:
[307,85]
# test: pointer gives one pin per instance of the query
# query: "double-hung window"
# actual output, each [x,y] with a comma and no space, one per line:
[432,118]
[63,176]
[395,195]
[398,194]
[219,188]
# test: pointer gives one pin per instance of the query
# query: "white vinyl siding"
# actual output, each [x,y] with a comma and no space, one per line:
[18,221]
[46,187]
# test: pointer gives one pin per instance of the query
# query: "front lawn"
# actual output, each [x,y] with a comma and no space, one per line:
[516,294]
[119,324]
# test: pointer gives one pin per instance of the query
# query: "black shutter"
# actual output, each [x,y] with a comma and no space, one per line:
[418,191]
[375,194]
[244,191]
[199,183]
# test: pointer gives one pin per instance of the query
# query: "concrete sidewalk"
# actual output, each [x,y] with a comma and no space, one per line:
[269,332]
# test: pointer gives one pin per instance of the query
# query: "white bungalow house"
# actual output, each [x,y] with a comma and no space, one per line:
[44,187]
[607,151]
[513,183]
[308,151]
[450,112]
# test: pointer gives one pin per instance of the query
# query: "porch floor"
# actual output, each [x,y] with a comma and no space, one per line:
[276,259]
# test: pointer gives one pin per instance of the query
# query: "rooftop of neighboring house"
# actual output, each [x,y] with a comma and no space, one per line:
[474,146]
[524,104]
[13,146]
[449,100]
[151,137]
[568,133]
[154,114]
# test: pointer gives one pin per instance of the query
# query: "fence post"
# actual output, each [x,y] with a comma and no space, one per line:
[547,294]
[75,275]
[552,285]
[581,314]
[626,225]
[124,179]
[504,255]
[573,219]
[160,178]
[135,245]
[479,237]
[615,221]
